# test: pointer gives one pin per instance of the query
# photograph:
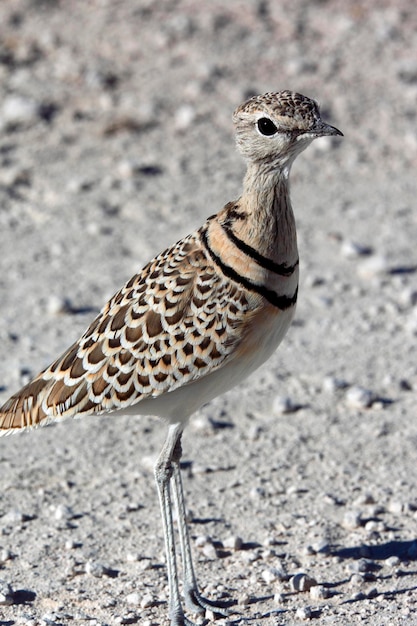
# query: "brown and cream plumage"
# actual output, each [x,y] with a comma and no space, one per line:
[197,319]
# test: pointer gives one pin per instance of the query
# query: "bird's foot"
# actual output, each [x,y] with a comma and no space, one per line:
[180,620]
[195,602]
[177,618]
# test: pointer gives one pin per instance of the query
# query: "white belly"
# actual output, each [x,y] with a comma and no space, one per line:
[178,405]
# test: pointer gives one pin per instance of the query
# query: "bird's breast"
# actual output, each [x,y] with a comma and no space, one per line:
[276,279]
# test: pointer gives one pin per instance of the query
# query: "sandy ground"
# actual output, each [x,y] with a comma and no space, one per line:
[116,140]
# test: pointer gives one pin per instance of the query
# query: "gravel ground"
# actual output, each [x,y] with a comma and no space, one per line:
[116,140]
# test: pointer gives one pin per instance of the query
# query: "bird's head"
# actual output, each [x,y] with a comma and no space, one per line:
[275,127]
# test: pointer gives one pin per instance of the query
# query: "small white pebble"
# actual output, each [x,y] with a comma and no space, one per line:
[361,566]
[393,561]
[17,110]
[302,582]
[356,580]
[93,568]
[269,541]
[282,405]
[375,526]
[126,618]
[256,493]
[318,592]
[268,554]
[6,593]
[332,384]
[209,551]
[411,322]
[396,507]
[352,249]
[303,612]
[133,506]
[203,423]
[202,540]
[49,619]
[378,405]
[244,599]
[5,555]
[254,432]
[133,598]
[63,512]
[147,601]
[184,117]
[373,267]
[359,398]
[375,509]
[57,305]
[364,498]
[408,297]
[233,543]
[92,229]
[321,546]
[279,598]
[352,519]
[249,556]
[269,576]
[291,490]
[279,570]
[126,168]
[14,516]
[144,564]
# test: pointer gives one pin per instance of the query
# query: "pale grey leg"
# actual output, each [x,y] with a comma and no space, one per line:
[163,473]
[167,471]
[194,601]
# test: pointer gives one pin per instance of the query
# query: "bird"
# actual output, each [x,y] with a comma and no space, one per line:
[194,322]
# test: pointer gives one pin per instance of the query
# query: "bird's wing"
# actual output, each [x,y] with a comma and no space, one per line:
[174,322]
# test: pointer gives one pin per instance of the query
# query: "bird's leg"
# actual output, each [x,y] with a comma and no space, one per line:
[163,473]
[193,599]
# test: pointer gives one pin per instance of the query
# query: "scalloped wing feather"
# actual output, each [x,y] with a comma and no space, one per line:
[173,323]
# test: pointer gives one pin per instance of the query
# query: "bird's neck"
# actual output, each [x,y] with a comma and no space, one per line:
[270,224]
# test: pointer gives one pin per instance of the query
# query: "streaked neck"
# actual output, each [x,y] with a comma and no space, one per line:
[266,198]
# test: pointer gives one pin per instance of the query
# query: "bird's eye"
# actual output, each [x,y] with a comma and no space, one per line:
[266,126]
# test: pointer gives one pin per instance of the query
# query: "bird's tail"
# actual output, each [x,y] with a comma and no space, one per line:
[41,401]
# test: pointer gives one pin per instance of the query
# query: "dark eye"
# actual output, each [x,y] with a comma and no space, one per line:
[266,126]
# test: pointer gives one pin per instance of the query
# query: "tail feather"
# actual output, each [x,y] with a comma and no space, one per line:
[23,409]
[42,401]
